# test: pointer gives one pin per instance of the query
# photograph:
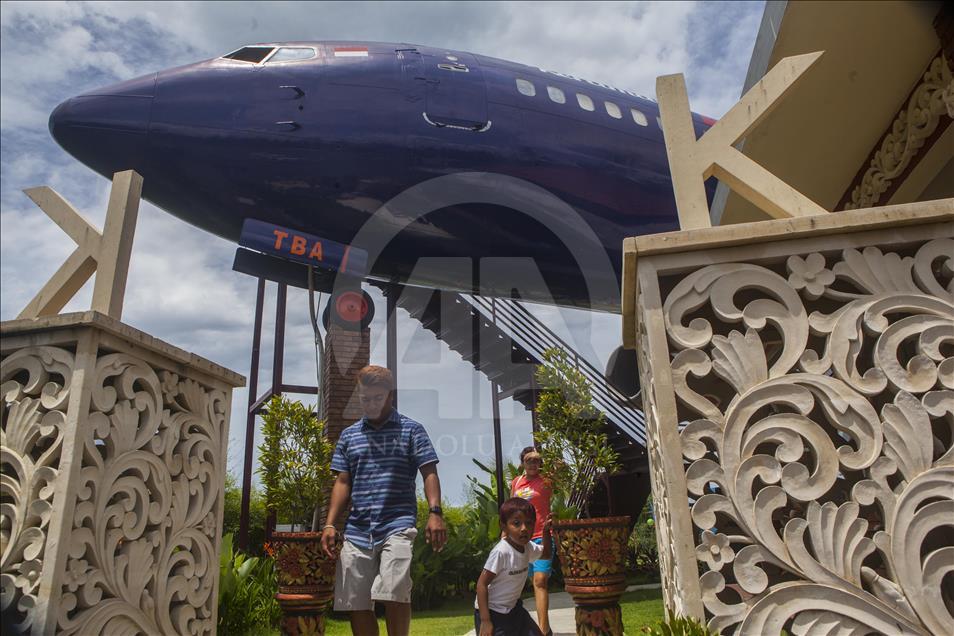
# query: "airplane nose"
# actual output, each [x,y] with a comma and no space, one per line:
[107,125]
[58,120]
[105,112]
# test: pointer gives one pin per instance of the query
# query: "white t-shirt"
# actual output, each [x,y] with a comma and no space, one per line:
[510,566]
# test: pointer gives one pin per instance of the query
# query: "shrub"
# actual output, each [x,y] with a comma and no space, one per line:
[256,514]
[247,587]
[483,518]
[679,626]
[574,449]
[295,461]
[482,512]
[440,575]
[643,553]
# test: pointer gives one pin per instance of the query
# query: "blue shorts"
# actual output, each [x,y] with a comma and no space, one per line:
[544,566]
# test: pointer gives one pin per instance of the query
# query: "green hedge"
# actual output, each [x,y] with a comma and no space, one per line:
[257,514]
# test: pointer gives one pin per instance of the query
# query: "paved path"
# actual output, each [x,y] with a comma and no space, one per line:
[562,614]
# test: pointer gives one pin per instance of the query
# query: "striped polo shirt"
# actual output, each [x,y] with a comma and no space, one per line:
[383,464]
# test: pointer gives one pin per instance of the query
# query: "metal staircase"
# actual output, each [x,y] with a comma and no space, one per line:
[505,342]
[535,338]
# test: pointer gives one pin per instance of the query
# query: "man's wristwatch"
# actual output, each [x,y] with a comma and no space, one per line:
[436,510]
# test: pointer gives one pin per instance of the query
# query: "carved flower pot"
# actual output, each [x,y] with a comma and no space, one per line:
[593,558]
[306,582]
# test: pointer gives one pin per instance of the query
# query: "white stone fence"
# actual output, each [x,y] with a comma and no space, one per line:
[798,383]
[113,466]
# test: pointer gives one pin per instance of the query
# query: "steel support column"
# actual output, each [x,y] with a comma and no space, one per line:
[257,402]
[498,450]
[278,364]
[535,396]
[250,417]
[278,355]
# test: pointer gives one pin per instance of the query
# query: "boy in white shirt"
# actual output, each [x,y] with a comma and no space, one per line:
[498,609]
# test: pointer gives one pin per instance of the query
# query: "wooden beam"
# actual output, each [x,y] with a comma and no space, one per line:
[116,248]
[66,216]
[689,189]
[105,253]
[62,286]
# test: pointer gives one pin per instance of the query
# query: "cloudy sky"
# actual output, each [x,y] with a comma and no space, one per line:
[181,287]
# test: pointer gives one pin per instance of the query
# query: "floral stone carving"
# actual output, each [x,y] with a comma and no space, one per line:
[930,105]
[809,388]
[113,468]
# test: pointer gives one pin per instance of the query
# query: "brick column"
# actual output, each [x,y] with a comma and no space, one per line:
[346,352]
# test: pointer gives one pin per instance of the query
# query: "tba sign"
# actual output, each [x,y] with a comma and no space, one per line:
[302,247]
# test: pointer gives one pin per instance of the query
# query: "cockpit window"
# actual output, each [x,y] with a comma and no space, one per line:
[292,54]
[254,54]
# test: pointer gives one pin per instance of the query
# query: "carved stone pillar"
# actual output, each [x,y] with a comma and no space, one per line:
[113,463]
[798,383]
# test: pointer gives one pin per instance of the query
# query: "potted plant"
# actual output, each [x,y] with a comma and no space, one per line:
[295,465]
[576,454]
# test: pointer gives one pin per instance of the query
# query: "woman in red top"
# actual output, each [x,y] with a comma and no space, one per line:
[536,489]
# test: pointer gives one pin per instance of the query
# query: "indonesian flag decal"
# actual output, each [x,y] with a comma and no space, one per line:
[351,51]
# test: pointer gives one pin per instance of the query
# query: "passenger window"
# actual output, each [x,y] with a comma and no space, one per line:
[556,94]
[526,88]
[254,54]
[292,54]
[613,110]
[639,117]
[585,102]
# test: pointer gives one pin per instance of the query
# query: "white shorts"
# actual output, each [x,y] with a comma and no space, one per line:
[379,574]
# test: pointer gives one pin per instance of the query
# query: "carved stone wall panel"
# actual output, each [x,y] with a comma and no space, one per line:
[813,386]
[35,386]
[113,462]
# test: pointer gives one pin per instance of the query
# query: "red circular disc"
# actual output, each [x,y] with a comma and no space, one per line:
[351,306]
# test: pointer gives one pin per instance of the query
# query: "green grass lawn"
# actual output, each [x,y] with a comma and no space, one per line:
[640,607]
[453,618]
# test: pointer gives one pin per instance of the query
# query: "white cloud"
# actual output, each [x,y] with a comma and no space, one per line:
[181,287]
[624,45]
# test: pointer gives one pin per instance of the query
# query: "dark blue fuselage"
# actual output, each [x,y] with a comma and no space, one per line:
[320,144]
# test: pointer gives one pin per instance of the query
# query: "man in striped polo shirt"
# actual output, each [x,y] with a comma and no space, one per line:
[377,459]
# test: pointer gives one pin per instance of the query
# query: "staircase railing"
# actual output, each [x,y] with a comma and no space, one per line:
[534,336]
